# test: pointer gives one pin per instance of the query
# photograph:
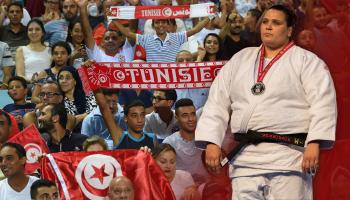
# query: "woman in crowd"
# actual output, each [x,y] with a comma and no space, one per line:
[76,41]
[75,100]
[35,56]
[181,181]
[60,56]
[212,50]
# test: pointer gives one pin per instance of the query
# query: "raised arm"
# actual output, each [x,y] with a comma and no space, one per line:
[113,128]
[125,31]
[84,17]
[200,25]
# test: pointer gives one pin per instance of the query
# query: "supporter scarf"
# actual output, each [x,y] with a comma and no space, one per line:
[86,175]
[162,12]
[34,145]
[150,75]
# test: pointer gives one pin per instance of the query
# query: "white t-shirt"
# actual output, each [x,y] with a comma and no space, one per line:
[181,181]
[125,54]
[7,193]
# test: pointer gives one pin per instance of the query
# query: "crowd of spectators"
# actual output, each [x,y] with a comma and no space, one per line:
[42,46]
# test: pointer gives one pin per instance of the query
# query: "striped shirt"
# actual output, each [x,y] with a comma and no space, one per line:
[161,51]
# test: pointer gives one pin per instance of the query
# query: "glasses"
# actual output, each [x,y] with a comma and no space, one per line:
[158,98]
[48,94]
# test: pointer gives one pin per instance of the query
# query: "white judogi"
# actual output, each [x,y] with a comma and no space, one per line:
[299,97]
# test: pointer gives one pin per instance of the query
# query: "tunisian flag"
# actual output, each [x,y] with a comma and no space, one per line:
[86,175]
[34,145]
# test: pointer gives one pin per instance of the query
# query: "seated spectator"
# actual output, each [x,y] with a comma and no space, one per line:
[18,92]
[14,34]
[249,33]
[121,187]
[8,126]
[50,93]
[4,18]
[5,127]
[162,121]
[198,96]
[163,46]
[212,50]
[181,181]
[74,98]
[95,143]
[35,56]
[76,42]
[232,42]
[52,11]
[307,39]
[134,117]
[44,189]
[113,48]
[93,123]
[6,63]
[188,156]
[54,119]
[57,30]
[60,52]
[12,161]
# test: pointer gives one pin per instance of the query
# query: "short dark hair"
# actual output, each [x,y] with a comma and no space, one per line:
[291,17]
[38,184]
[170,94]
[20,79]
[167,20]
[132,104]
[109,92]
[182,103]
[7,116]
[60,110]
[16,3]
[61,44]
[20,151]
[256,13]
[162,148]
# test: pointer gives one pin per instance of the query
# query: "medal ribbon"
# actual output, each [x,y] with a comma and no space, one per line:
[261,71]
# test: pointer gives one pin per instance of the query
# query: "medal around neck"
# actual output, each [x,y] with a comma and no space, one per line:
[258,88]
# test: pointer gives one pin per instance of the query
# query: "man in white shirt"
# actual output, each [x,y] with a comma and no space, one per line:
[162,121]
[188,156]
[12,161]
[113,48]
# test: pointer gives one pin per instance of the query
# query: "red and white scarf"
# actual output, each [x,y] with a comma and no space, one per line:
[162,12]
[150,76]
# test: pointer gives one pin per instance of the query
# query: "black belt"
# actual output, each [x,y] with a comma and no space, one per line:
[255,137]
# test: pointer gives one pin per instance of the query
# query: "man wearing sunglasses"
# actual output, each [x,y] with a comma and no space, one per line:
[162,121]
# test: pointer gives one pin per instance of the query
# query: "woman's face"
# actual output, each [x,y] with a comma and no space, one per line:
[66,81]
[60,56]
[274,30]
[35,33]
[211,45]
[77,34]
[167,162]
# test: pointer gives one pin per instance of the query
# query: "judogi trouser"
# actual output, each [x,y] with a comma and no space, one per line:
[273,186]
